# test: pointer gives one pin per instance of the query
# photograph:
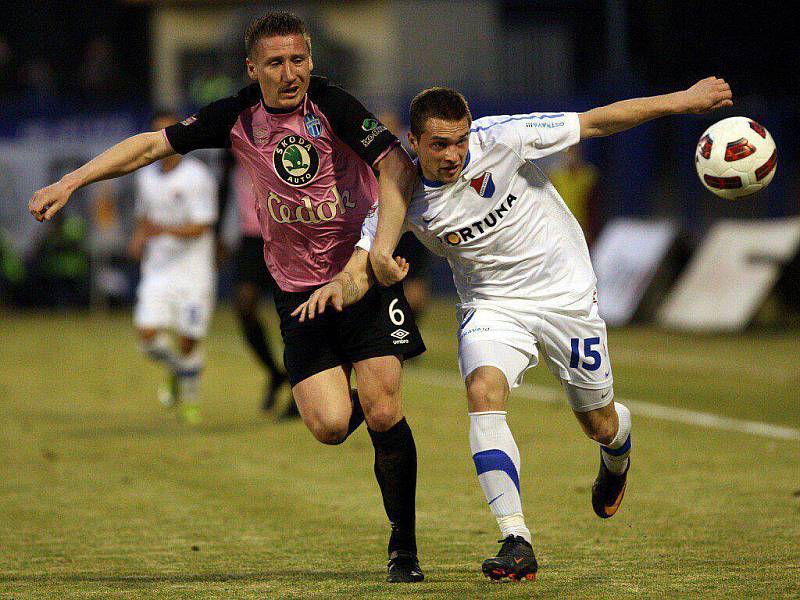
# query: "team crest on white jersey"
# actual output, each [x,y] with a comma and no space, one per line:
[483,185]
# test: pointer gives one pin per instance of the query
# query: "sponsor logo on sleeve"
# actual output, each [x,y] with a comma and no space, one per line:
[296,161]
[369,124]
[373,133]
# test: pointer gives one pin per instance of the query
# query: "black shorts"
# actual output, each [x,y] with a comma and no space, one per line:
[417,255]
[249,264]
[380,324]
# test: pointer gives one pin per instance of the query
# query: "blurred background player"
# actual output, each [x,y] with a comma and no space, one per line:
[252,279]
[176,208]
[577,182]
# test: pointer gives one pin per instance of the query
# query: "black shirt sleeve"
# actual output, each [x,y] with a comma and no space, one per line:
[211,126]
[351,122]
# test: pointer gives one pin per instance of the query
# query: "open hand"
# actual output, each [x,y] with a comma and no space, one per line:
[706,95]
[331,293]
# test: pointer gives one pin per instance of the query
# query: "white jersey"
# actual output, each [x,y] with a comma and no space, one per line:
[507,234]
[186,195]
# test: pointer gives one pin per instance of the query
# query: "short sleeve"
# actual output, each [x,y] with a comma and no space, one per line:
[352,123]
[211,126]
[368,229]
[533,135]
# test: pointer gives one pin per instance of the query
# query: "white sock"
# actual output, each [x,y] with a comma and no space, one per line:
[188,372]
[615,454]
[497,461]
[159,349]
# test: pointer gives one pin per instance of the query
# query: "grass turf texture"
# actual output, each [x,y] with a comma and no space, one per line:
[103,494]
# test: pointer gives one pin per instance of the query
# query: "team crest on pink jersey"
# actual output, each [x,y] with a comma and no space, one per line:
[313,125]
[483,185]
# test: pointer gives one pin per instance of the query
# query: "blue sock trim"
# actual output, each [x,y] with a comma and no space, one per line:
[618,451]
[496,460]
[188,372]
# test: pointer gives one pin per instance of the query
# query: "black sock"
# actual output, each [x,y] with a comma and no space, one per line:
[396,472]
[257,339]
[357,416]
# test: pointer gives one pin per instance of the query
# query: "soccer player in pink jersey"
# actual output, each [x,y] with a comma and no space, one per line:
[310,149]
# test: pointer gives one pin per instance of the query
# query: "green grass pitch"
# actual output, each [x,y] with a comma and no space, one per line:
[104,495]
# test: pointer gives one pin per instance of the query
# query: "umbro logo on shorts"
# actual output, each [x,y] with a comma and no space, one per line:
[400,336]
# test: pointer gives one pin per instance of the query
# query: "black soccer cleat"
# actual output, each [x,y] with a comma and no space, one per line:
[403,567]
[608,490]
[516,561]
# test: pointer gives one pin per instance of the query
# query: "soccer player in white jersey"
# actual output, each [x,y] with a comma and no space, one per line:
[176,208]
[523,274]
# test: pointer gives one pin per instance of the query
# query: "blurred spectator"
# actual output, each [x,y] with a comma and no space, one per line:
[61,264]
[577,182]
[100,77]
[9,76]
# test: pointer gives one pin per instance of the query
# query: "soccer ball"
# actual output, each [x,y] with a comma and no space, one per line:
[736,157]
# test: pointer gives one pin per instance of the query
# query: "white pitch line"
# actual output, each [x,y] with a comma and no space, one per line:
[448,379]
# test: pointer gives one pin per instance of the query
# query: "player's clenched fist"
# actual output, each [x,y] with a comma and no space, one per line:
[48,201]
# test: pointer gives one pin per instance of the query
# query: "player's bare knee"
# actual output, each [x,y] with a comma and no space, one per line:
[485,392]
[383,415]
[329,433]
[603,432]
[187,344]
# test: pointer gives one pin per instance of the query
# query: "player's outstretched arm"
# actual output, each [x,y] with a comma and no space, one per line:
[127,156]
[346,287]
[396,184]
[706,95]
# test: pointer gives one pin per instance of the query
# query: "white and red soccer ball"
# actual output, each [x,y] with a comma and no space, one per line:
[736,157]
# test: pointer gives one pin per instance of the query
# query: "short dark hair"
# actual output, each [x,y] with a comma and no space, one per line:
[272,24]
[440,103]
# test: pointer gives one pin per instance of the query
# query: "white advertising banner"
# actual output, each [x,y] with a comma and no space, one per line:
[626,258]
[731,274]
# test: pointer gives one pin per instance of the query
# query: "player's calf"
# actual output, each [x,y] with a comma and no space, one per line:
[610,427]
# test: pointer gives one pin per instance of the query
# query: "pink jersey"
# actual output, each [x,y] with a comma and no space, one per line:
[311,170]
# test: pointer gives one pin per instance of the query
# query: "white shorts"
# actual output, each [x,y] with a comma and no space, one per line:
[183,309]
[573,343]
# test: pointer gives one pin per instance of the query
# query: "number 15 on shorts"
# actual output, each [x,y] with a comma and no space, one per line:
[588,353]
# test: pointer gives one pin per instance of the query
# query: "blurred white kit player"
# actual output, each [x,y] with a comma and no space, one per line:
[176,207]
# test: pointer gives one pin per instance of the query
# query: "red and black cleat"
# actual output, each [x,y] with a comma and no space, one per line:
[515,561]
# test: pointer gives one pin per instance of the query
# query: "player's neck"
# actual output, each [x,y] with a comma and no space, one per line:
[277,110]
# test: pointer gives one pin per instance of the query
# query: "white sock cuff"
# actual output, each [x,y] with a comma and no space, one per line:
[193,361]
[624,430]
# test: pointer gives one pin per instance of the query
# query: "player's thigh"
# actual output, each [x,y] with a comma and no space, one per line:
[487,389]
[194,308]
[155,308]
[381,324]
[489,338]
[575,348]
[324,403]
[379,380]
